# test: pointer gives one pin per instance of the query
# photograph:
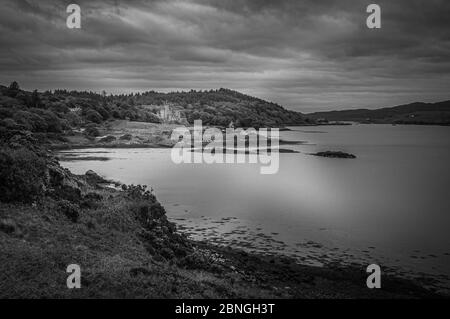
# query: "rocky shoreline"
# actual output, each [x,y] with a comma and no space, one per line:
[127,248]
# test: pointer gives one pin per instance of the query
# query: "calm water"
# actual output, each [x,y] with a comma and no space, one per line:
[389,206]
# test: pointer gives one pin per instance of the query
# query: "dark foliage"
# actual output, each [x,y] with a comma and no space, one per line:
[62,110]
[22,175]
[70,210]
[91,131]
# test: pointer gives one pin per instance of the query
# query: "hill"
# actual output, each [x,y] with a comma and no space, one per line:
[414,113]
[61,110]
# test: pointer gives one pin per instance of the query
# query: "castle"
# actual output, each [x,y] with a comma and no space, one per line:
[168,113]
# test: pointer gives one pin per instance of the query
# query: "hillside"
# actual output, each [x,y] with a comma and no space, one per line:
[414,113]
[61,111]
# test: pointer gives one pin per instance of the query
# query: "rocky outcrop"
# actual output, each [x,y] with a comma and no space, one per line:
[158,234]
[334,154]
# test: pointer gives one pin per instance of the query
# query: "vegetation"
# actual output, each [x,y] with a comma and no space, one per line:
[223,106]
[22,175]
[62,110]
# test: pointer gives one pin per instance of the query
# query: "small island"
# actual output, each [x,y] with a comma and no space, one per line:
[334,154]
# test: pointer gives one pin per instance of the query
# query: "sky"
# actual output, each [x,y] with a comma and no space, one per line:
[306,55]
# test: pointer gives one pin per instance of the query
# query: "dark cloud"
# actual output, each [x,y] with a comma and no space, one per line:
[307,55]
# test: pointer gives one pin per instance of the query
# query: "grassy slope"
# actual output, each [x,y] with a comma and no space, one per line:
[37,243]
[141,134]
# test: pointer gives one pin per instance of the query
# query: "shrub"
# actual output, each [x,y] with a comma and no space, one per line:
[94,116]
[103,112]
[31,121]
[6,112]
[53,121]
[126,137]
[71,211]
[107,139]
[8,123]
[139,192]
[7,226]
[22,175]
[91,131]
[73,119]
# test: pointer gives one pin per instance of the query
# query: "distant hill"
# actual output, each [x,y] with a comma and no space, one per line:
[414,113]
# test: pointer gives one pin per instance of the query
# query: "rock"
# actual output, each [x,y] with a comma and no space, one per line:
[59,176]
[334,154]
[286,150]
[94,179]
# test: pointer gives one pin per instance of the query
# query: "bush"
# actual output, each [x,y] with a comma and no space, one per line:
[53,121]
[8,123]
[22,175]
[71,211]
[94,116]
[103,112]
[107,139]
[126,137]
[31,121]
[91,131]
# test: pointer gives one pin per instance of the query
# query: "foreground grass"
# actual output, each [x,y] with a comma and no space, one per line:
[119,259]
[37,243]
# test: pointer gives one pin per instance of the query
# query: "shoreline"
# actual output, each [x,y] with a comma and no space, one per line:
[127,248]
[430,276]
[178,262]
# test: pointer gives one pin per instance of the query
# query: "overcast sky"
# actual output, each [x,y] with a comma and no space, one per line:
[305,55]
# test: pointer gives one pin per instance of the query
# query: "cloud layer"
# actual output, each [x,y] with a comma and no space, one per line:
[306,55]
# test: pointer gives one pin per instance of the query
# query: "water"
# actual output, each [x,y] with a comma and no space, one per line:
[388,206]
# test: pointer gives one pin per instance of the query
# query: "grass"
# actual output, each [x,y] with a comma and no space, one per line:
[115,262]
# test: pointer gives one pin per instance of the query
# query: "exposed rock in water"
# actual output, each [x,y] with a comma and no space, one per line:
[287,150]
[334,154]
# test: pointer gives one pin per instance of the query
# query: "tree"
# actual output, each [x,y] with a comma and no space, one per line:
[14,86]
[35,99]
[246,122]
[94,116]
[91,131]
[13,89]
[22,173]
